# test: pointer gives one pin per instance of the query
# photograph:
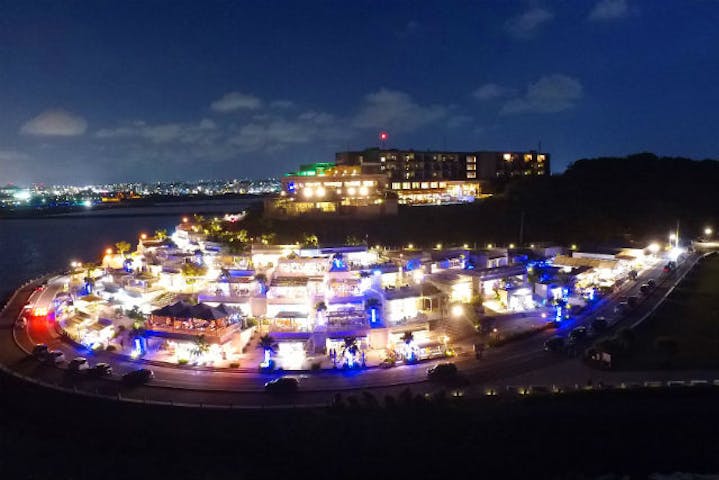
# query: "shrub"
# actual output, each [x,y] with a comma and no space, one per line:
[234,365]
[183,361]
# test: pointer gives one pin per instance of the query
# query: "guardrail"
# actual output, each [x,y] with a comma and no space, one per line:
[669,292]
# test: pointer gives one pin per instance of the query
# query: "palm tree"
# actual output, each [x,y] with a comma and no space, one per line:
[123,247]
[349,350]
[408,339]
[268,344]
[161,234]
[201,346]
[310,240]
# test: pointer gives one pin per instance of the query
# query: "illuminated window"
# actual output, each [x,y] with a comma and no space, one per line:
[471,167]
[527,157]
[442,184]
[540,158]
[508,157]
[433,185]
[415,184]
[425,184]
[471,159]
[396,185]
[406,185]
[471,174]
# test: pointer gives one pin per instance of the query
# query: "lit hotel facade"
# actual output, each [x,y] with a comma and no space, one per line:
[374,181]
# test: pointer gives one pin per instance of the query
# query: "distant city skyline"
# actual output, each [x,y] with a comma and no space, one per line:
[118,92]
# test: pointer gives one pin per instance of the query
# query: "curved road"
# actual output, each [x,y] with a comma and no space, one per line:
[194,386]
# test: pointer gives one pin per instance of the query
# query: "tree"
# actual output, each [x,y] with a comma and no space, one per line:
[268,238]
[268,345]
[191,269]
[320,307]
[310,241]
[136,315]
[408,337]
[161,234]
[123,247]
[353,240]
[201,346]
[350,349]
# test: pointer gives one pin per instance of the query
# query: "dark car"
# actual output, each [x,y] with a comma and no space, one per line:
[577,334]
[554,344]
[632,301]
[282,385]
[102,370]
[138,377]
[40,351]
[442,371]
[600,324]
[645,288]
[652,283]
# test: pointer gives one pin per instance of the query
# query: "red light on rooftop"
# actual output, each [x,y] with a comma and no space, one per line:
[383,136]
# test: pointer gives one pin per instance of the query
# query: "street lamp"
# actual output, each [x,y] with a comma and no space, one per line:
[654,247]
[457,311]
[708,231]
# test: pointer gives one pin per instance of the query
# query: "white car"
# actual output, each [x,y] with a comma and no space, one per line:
[55,356]
[78,364]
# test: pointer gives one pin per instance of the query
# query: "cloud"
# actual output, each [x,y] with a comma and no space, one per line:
[201,132]
[282,104]
[526,25]
[236,101]
[609,10]
[55,123]
[395,110]
[549,94]
[13,156]
[491,91]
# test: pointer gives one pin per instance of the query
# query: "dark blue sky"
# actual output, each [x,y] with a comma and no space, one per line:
[115,91]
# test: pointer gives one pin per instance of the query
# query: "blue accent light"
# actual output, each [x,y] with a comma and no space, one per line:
[291,187]
[377,272]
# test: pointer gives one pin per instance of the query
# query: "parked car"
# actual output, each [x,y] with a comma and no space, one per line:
[652,283]
[645,288]
[138,377]
[442,371]
[554,344]
[577,334]
[78,364]
[621,307]
[102,370]
[40,350]
[600,324]
[54,357]
[282,385]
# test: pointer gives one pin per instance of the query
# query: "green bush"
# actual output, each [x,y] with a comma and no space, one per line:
[182,361]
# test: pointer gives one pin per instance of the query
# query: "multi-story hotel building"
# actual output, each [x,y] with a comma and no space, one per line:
[372,182]
[429,176]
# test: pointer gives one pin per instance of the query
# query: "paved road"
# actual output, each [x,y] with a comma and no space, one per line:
[223,388]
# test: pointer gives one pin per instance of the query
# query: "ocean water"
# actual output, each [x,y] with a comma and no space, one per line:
[32,247]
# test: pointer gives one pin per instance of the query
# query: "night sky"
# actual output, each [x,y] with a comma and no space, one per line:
[152,90]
